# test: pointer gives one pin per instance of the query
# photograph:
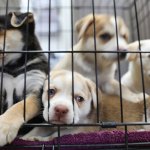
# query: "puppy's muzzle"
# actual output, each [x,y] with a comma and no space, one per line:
[123,53]
[61,111]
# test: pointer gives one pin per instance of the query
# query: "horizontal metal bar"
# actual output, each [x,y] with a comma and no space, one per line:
[110,146]
[107,124]
[82,51]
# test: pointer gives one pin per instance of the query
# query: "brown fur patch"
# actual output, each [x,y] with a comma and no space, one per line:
[111,111]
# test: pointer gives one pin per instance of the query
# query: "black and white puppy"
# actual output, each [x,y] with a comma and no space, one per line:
[22,72]
[19,36]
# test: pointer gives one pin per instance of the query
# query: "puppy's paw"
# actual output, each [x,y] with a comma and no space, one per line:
[32,138]
[8,131]
[36,138]
[141,96]
[137,97]
[140,130]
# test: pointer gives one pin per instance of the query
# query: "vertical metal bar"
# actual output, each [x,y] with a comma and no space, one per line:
[53,147]
[95,62]
[141,62]
[126,137]
[49,54]
[72,55]
[43,147]
[25,69]
[58,141]
[118,60]
[2,69]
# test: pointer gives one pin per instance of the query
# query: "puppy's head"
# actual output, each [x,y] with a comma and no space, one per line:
[134,57]
[17,21]
[105,34]
[66,106]
[14,29]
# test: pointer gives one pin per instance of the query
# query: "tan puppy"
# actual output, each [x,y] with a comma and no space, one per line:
[62,110]
[133,78]
[106,40]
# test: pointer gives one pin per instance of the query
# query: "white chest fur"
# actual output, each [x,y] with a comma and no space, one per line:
[34,81]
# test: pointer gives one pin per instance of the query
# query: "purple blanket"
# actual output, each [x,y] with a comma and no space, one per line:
[86,140]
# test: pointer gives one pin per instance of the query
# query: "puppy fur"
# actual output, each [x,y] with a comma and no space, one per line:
[133,78]
[84,110]
[17,33]
[106,41]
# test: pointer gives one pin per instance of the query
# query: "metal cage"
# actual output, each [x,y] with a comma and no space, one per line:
[55,29]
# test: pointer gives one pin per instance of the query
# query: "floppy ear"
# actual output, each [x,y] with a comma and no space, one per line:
[18,19]
[92,87]
[82,25]
[123,27]
[132,47]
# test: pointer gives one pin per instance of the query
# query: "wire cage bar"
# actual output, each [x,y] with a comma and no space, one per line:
[55,29]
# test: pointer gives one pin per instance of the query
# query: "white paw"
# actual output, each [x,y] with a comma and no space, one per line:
[8,131]
[32,138]
[140,130]
[139,97]
[36,138]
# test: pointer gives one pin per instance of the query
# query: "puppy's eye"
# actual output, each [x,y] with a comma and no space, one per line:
[105,36]
[125,36]
[79,98]
[51,92]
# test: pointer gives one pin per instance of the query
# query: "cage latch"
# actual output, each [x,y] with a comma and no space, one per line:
[108,124]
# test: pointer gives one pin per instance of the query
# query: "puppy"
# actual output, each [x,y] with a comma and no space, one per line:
[62,110]
[16,37]
[81,107]
[133,78]
[106,48]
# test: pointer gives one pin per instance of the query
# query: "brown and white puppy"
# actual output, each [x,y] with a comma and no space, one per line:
[133,78]
[62,110]
[106,46]
[81,107]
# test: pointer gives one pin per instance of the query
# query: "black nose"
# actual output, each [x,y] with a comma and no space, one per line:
[122,54]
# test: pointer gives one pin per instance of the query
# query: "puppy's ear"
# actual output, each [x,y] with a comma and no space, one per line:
[132,47]
[18,19]
[123,27]
[83,24]
[92,88]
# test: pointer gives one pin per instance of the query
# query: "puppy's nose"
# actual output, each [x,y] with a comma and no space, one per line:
[123,52]
[61,110]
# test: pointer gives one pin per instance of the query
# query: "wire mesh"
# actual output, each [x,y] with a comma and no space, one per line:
[60,40]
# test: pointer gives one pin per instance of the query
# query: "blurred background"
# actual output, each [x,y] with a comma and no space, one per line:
[55,19]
